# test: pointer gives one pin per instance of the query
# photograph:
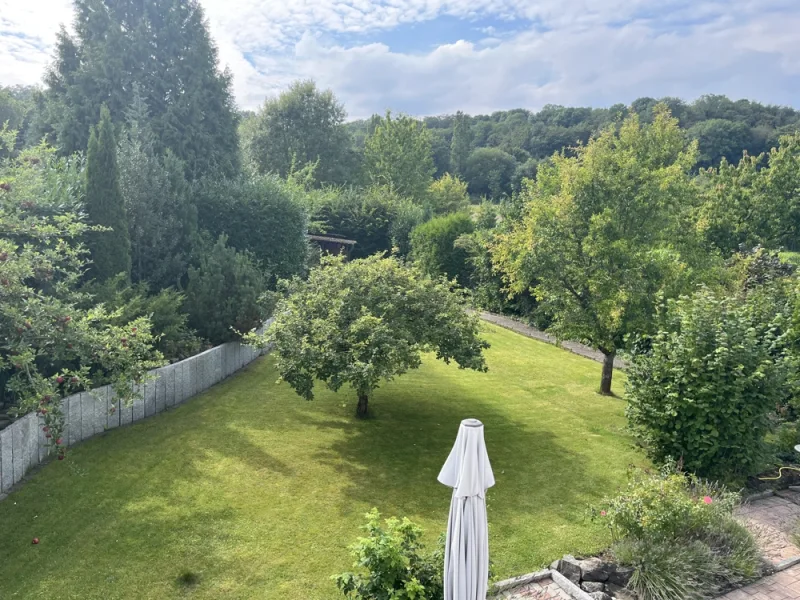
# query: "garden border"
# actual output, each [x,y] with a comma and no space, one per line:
[23,445]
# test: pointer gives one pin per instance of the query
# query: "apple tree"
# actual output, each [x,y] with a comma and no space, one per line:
[367,321]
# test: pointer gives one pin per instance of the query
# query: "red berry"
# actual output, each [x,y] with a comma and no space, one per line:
[48,436]
[74,380]
[60,457]
[58,441]
[3,256]
[45,429]
[133,329]
[46,398]
[35,541]
[60,380]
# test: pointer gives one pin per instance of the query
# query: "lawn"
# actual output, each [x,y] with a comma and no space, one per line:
[258,493]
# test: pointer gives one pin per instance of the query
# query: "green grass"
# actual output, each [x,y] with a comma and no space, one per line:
[250,492]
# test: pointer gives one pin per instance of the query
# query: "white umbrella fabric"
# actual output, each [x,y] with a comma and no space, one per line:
[468,472]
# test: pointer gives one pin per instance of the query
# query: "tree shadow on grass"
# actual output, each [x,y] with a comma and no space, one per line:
[392,460]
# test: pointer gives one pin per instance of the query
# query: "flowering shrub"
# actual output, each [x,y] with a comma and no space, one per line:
[667,506]
[679,535]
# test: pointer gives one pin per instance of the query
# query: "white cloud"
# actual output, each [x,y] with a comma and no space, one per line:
[579,52]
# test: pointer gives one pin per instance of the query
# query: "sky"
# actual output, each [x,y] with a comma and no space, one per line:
[427,57]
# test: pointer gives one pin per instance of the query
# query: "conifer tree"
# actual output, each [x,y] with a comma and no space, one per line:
[162,45]
[110,249]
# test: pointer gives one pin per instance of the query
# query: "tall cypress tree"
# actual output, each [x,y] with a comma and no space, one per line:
[111,250]
[163,46]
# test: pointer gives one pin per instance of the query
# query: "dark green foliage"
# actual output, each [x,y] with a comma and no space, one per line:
[161,221]
[681,538]
[433,246]
[489,172]
[110,249]
[392,564]
[704,388]
[718,138]
[226,293]
[174,339]
[165,47]
[257,214]
[301,126]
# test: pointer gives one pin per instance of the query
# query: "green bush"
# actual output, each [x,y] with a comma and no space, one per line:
[392,564]
[259,215]
[667,506]
[679,535]
[703,390]
[175,339]
[433,246]
[226,293]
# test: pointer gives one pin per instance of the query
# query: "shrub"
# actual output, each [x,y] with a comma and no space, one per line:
[226,293]
[679,535]
[259,215]
[174,338]
[433,246]
[704,388]
[667,506]
[392,563]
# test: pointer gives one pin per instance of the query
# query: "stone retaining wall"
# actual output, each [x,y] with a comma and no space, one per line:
[86,414]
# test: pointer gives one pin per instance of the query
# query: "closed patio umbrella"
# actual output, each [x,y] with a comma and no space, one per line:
[468,472]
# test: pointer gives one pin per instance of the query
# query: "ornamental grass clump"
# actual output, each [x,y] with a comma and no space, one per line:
[679,534]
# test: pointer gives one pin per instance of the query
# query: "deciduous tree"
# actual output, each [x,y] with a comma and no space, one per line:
[368,321]
[302,125]
[603,233]
[398,155]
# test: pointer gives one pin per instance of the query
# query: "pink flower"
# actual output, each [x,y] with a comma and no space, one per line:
[603,513]
[707,500]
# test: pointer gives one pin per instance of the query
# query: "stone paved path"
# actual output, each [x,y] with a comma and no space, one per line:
[781,586]
[773,520]
[537,334]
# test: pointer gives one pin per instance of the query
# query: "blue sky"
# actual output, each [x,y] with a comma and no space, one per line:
[438,56]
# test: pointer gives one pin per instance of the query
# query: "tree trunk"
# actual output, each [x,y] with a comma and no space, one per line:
[361,410]
[608,372]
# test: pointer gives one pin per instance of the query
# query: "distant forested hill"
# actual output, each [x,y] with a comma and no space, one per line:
[723,127]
